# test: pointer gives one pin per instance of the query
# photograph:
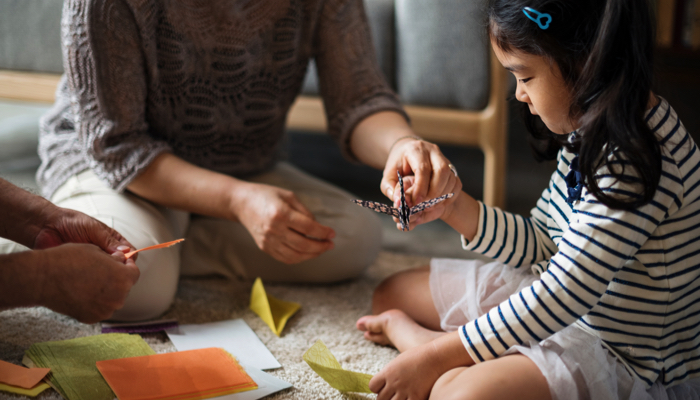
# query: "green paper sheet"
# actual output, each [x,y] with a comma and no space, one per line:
[327,367]
[72,362]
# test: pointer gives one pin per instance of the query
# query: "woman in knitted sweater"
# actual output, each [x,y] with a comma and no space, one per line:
[168,123]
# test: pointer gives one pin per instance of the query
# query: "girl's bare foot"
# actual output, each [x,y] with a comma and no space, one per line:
[395,328]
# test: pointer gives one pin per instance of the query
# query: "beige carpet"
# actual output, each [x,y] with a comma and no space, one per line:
[328,313]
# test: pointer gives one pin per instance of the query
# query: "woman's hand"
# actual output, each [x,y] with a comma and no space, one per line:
[433,176]
[280,225]
[420,163]
[437,211]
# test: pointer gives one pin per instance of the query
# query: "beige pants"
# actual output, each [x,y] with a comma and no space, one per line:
[216,246]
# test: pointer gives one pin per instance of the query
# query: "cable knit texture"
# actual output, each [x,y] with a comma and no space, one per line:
[210,81]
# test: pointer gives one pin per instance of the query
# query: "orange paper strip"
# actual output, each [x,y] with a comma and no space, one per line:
[157,246]
[193,374]
[15,375]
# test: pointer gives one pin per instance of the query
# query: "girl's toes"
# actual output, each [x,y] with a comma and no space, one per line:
[361,323]
[378,338]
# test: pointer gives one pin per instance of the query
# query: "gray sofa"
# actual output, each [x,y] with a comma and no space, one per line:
[434,53]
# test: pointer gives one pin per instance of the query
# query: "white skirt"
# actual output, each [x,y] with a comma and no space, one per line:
[575,363]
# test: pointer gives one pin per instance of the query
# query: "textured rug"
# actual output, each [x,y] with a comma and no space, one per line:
[328,313]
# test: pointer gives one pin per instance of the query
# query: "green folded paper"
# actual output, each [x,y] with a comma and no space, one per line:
[327,367]
[72,362]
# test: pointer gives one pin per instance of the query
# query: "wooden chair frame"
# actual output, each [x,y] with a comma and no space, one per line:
[486,129]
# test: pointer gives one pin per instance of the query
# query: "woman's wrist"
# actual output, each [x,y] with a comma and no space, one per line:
[237,196]
[405,137]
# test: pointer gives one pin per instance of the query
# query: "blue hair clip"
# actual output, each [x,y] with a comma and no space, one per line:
[538,17]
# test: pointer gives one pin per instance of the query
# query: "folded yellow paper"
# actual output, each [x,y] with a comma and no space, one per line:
[327,367]
[33,392]
[274,312]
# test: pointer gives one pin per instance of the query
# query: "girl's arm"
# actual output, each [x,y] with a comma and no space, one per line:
[597,242]
[463,215]
[502,236]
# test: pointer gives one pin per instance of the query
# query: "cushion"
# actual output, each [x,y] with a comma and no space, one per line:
[443,53]
[30,35]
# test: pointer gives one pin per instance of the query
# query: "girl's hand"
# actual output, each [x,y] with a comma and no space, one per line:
[409,376]
[423,160]
[412,374]
[280,225]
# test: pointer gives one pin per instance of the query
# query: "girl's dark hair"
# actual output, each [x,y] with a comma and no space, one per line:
[603,49]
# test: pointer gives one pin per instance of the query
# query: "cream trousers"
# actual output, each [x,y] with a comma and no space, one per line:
[220,247]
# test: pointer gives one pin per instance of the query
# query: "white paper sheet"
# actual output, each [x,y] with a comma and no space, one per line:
[234,336]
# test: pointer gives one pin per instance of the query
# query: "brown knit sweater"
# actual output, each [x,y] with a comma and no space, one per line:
[209,80]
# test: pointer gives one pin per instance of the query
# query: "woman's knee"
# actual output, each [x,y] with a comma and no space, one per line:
[155,290]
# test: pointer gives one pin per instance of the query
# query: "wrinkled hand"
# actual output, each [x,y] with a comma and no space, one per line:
[84,282]
[430,169]
[280,225]
[410,376]
[69,226]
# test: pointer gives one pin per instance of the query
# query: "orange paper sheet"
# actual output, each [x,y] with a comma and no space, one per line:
[15,375]
[193,374]
[157,246]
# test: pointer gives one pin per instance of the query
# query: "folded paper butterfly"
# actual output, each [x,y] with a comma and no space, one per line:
[273,311]
[403,213]
[327,367]
[157,246]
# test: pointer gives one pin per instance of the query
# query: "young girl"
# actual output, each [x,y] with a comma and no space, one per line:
[612,310]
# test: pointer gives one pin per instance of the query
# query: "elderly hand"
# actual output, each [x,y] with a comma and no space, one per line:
[280,224]
[68,226]
[84,282]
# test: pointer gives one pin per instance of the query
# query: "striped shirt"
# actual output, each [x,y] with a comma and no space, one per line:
[628,277]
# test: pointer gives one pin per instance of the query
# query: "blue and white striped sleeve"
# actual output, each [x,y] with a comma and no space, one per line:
[597,243]
[513,239]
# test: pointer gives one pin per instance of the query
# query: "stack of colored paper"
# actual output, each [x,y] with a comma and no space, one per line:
[21,380]
[183,375]
[72,362]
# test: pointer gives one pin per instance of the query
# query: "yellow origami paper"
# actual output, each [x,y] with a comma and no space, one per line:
[274,312]
[33,392]
[327,367]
